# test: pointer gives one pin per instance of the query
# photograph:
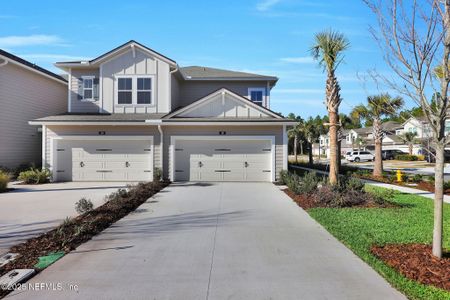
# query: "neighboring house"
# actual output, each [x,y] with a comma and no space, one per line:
[26,92]
[132,110]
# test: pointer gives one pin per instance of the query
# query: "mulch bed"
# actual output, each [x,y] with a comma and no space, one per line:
[307,202]
[416,262]
[76,231]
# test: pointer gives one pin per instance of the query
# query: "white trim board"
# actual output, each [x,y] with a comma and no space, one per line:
[54,143]
[174,138]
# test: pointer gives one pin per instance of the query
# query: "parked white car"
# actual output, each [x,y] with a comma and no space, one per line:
[358,156]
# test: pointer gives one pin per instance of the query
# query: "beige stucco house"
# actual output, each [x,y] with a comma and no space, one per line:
[133,110]
[26,92]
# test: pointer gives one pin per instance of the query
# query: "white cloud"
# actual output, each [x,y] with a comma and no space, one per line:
[265,5]
[29,40]
[298,60]
[44,57]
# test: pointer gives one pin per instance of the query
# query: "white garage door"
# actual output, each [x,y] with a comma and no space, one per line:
[230,160]
[79,160]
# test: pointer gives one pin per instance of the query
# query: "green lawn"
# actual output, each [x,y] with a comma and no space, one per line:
[359,228]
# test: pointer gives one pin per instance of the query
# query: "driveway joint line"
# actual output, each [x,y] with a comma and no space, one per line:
[214,240]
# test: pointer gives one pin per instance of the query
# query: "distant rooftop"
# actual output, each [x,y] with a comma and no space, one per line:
[30,65]
[206,73]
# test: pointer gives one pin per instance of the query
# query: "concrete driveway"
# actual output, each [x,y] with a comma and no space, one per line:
[32,209]
[214,241]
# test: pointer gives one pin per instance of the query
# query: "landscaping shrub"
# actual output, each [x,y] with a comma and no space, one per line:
[4,180]
[284,175]
[35,176]
[417,178]
[420,157]
[406,157]
[309,182]
[352,183]
[157,174]
[446,185]
[83,205]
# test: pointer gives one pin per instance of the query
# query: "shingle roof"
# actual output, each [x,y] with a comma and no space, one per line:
[68,117]
[206,73]
[30,65]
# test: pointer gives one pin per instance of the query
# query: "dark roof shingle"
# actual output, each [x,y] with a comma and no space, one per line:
[198,72]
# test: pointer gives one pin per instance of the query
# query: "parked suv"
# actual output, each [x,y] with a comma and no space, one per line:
[358,156]
[391,153]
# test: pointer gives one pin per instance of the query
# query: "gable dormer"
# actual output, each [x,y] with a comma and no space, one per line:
[128,79]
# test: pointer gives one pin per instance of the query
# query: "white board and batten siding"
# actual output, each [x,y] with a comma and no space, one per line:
[139,63]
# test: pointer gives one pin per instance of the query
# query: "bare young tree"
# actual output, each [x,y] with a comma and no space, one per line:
[415,39]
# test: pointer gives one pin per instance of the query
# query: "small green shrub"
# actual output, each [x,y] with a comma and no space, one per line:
[352,183]
[309,182]
[35,176]
[284,176]
[446,185]
[406,157]
[417,178]
[83,205]
[4,180]
[157,174]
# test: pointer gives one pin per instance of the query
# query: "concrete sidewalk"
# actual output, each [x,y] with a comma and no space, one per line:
[214,241]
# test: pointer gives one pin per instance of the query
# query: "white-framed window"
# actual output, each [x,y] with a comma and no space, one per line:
[134,90]
[144,90]
[88,88]
[256,95]
[125,90]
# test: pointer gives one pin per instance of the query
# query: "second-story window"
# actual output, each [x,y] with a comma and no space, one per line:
[256,95]
[144,90]
[125,91]
[89,88]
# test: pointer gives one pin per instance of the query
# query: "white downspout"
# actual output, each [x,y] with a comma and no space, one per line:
[161,147]
[170,86]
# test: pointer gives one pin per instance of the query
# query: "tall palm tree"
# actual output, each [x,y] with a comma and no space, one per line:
[409,138]
[327,49]
[378,106]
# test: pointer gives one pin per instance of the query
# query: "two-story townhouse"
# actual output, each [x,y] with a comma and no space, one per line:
[132,110]
[27,91]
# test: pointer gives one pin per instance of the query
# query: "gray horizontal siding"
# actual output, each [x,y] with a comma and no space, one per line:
[191,91]
[78,105]
[24,96]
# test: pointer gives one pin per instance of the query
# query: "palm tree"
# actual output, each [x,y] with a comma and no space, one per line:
[327,49]
[311,133]
[294,133]
[409,138]
[378,106]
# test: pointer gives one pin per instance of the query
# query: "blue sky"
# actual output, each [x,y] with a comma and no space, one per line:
[270,37]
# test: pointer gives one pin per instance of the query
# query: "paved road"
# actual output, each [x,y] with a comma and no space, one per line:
[29,210]
[215,241]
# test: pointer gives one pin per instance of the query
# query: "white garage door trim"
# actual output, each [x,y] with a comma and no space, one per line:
[175,138]
[54,143]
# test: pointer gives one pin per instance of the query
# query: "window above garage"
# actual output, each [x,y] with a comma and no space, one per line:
[134,90]
[256,95]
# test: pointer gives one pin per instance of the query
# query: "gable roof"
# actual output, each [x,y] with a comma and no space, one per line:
[11,57]
[115,51]
[206,73]
[211,96]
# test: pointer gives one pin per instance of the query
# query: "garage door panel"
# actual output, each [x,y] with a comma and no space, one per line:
[230,160]
[109,160]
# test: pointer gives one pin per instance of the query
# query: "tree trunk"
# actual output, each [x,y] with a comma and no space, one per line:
[438,200]
[378,139]
[378,165]
[410,148]
[310,154]
[295,148]
[301,147]
[334,167]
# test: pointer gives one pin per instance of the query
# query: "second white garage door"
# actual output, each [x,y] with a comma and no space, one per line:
[111,160]
[223,160]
